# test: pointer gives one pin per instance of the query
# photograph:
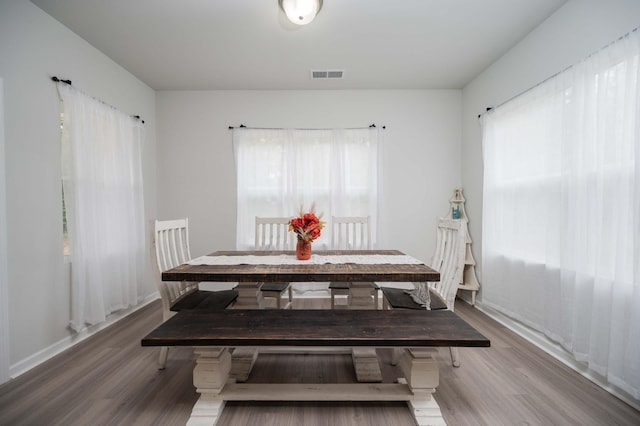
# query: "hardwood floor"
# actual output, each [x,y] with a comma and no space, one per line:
[109,379]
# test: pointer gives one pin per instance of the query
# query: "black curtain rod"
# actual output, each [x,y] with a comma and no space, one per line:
[565,69]
[242,126]
[59,80]
[488,109]
[56,79]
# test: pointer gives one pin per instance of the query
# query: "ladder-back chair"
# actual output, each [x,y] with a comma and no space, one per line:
[171,241]
[272,233]
[352,233]
[448,259]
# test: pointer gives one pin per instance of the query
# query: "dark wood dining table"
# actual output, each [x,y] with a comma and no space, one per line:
[304,272]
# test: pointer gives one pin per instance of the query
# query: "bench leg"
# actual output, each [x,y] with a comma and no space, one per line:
[385,303]
[455,356]
[420,370]
[211,379]
[278,301]
[162,359]
[210,375]
[206,411]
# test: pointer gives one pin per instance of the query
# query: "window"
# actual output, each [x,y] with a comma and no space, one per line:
[279,171]
[561,211]
[103,206]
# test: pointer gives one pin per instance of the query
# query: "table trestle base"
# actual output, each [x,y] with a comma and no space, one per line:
[248,296]
[365,362]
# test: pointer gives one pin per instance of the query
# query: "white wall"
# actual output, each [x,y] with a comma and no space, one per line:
[421,154]
[576,30]
[34,47]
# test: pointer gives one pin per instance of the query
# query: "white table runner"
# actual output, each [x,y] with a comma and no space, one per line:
[316,259]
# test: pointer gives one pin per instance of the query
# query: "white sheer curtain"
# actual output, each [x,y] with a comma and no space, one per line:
[102,183]
[561,216]
[4,282]
[279,170]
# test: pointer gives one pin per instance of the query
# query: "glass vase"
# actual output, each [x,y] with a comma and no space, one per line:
[303,250]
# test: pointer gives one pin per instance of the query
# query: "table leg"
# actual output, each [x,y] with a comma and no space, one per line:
[362,295]
[365,362]
[242,363]
[248,294]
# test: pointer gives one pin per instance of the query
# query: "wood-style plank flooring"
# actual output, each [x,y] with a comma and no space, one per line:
[109,379]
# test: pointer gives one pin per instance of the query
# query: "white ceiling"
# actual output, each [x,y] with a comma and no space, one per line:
[248,44]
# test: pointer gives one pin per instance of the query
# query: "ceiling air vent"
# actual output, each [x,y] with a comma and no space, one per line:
[326,74]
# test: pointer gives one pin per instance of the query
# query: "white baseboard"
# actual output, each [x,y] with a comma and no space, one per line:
[47,353]
[558,352]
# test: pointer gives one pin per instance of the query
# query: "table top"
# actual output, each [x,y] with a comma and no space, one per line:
[304,272]
[319,327]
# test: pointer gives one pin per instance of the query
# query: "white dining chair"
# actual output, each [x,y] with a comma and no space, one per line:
[272,233]
[448,259]
[352,233]
[171,241]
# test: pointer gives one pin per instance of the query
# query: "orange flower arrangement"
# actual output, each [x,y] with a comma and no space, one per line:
[308,226]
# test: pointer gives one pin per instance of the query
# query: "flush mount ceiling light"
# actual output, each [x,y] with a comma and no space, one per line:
[301,12]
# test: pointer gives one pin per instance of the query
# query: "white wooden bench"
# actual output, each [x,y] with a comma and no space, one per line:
[215,334]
